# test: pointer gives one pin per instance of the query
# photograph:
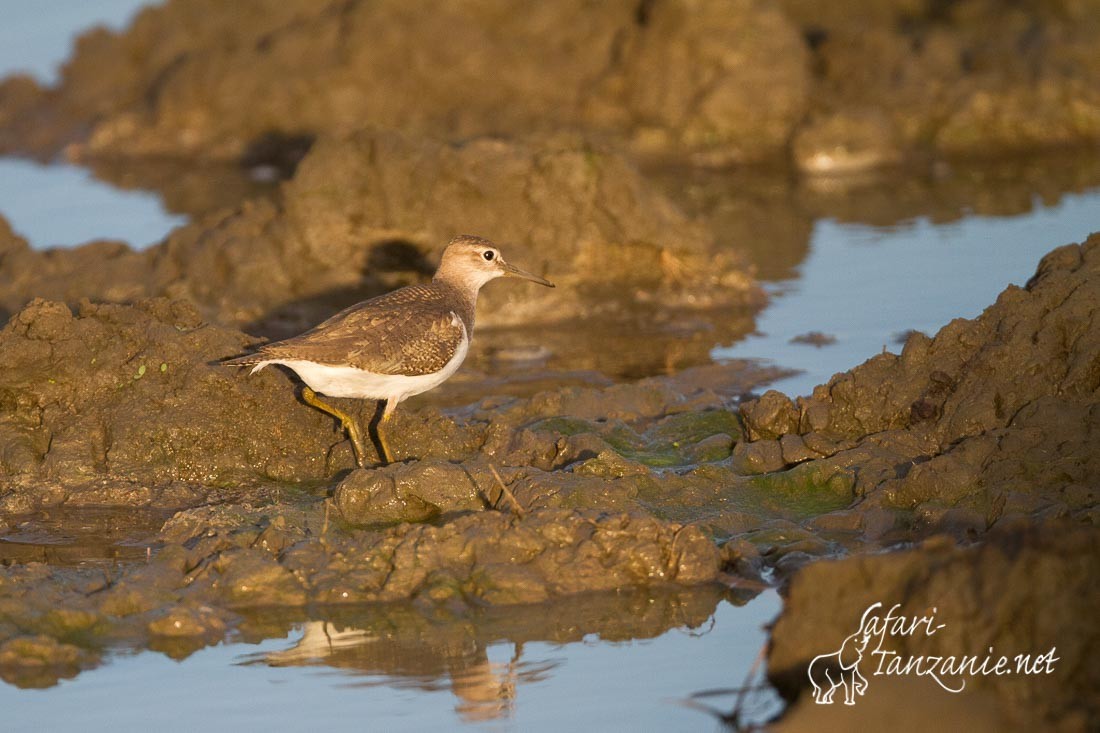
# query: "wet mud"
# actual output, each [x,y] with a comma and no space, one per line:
[656,76]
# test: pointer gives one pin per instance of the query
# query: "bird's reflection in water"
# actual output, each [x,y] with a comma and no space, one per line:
[476,654]
[485,689]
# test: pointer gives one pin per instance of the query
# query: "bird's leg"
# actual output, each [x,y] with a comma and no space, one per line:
[390,406]
[346,421]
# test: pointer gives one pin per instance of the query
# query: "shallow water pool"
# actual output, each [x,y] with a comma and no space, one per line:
[636,667]
[62,205]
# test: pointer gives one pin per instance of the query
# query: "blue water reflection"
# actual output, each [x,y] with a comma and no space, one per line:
[64,205]
[334,677]
[866,286]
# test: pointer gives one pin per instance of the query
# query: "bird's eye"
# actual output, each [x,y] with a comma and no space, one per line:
[489,255]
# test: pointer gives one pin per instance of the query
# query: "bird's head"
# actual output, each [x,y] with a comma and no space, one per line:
[471,261]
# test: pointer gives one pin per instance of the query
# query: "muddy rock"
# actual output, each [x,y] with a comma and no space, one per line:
[760,456]
[501,559]
[853,84]
[252,577]
[34,120]
[183,621]
[412,492]
[106,270]
[201,572]
[795,449]
[770,416]
[948,430]
[666,76]
[128,406]
[1028,589]
[966,77]
[847,86]
[134,394]
[40,661]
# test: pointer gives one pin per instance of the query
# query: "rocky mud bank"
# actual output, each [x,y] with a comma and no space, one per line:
[986,429]
[993,417]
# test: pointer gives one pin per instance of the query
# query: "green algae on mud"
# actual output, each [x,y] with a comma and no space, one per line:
[796,494]
[672,441]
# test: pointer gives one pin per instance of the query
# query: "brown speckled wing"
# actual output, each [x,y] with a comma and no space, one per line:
[411,331]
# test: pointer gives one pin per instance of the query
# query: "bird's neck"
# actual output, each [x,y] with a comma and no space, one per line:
[463,295]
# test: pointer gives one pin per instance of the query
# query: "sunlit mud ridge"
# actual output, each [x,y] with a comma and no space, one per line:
[127,405]
[651,74]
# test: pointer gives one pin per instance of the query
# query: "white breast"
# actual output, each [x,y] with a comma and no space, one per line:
[346,381]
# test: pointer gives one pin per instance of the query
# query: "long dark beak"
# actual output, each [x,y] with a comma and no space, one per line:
[513,271]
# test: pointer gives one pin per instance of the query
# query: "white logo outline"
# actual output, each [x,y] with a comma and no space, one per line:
[841,668]
[836,669]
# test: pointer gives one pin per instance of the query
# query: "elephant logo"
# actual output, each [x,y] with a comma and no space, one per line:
[841,668]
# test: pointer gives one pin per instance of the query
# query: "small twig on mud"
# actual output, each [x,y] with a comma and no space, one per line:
[505,491]
[324,523]
[200,569]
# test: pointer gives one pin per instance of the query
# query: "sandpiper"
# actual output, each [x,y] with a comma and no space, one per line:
[396,345]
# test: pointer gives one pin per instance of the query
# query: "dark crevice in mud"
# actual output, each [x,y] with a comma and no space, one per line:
[642,12]
[399,255]
[277,152]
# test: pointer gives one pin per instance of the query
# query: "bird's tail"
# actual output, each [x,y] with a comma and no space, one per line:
[246,360]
